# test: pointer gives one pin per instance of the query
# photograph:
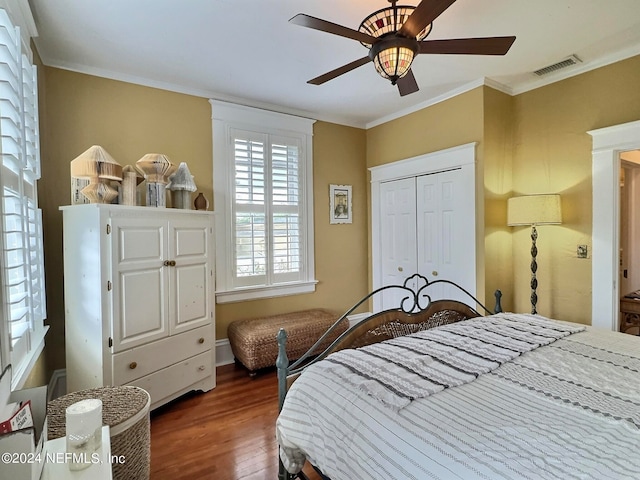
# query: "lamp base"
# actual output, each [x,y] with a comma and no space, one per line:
[534,269]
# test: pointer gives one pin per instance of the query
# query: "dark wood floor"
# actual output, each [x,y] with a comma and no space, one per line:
[225,434]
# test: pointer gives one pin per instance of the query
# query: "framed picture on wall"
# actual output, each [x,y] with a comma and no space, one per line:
[340,210]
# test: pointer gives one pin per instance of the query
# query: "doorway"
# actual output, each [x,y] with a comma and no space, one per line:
[608,144]
[630,221]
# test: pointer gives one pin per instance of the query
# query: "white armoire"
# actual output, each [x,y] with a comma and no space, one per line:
[423,217]
[139,299]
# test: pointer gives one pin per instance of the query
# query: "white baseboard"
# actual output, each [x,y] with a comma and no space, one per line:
[57,384]
[224,355]
[357,318]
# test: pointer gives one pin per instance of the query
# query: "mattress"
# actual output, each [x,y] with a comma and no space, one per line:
[568,409]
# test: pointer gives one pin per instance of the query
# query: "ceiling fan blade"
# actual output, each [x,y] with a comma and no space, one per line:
[339,71]
[425,13]
[468,46]
[325,26]
[407,84]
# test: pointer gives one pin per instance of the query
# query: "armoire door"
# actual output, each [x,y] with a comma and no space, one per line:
[190,273]
[139,281]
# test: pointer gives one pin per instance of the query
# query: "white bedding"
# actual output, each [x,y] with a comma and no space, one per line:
[567,410]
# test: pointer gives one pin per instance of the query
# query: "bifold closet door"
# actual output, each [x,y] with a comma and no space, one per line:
[423,231]
[398,236]
[441,231]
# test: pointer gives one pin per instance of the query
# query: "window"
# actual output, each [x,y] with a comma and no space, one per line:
[263,202]
[21,263]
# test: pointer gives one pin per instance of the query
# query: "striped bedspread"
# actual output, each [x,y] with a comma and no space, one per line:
[415,366]
[565,404]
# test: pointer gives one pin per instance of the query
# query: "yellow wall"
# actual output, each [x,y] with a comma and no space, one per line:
[535,142]
[447,124]
[497,147]
[454,122]
[128,120]
[340,249]
[552,154]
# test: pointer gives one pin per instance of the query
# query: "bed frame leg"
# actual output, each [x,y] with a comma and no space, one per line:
[282,473]
[282,365]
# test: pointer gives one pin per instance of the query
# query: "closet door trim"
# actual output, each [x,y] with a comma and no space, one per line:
[462,157]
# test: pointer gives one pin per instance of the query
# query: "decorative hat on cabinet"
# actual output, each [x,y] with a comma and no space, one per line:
[156,168]
[181,185]
[97,166]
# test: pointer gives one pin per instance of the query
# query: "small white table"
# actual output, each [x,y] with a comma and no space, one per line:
[56,468]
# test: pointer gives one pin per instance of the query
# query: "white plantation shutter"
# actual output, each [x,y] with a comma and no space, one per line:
[21,261]
[286,214]
[249,210]
[266,209]
[263,189]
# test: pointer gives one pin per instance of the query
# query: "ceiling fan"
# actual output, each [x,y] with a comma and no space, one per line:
[395,35]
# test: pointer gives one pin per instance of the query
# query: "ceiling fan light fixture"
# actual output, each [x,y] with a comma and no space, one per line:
[393,63]
[392,57]
[389,20]
[394,36]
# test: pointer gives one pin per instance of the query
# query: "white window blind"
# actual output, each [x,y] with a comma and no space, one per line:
[22,262]
[263,201]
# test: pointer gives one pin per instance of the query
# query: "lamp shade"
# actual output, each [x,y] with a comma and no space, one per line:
[534,210]
[156,168]
[96,163]
[394,62]
[389,20]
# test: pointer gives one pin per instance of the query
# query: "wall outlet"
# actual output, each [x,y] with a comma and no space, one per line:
[583,251]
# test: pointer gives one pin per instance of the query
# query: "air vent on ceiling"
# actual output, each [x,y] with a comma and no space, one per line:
[567,62]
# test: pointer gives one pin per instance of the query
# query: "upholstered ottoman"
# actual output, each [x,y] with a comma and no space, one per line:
[253,341]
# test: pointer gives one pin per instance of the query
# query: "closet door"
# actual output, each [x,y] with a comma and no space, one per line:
[398,236]
[442,232]
[443,229]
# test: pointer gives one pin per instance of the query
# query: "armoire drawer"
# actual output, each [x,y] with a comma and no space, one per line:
[165,382]
[146,359]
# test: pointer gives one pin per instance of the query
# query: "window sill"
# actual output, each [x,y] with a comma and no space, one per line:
[253,293]
[22,371]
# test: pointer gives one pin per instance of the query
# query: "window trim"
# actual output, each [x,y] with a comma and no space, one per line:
[225,117]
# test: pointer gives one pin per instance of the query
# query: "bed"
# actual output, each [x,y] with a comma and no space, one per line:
[435,390]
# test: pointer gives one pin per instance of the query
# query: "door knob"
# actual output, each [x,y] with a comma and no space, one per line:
[133,365]
[399,269]
[434,273]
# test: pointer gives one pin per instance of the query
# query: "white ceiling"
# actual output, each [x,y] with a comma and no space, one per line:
[246,51]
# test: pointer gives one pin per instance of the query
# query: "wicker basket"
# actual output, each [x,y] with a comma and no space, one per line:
[126,411]
[253,341]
